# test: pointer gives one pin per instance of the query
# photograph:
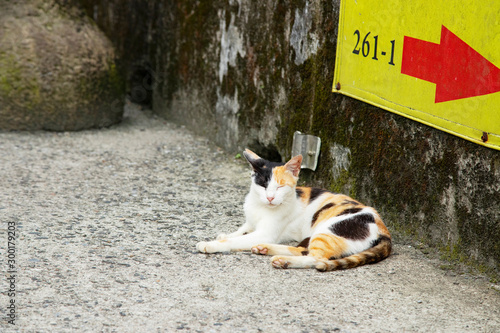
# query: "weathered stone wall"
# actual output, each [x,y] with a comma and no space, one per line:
[130,25]
[250,73]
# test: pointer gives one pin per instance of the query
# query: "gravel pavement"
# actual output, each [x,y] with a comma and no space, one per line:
[106,224]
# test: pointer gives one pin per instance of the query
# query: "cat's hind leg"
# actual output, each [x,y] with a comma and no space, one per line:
[321,248]
[277,249]
[284,250]
[294,261]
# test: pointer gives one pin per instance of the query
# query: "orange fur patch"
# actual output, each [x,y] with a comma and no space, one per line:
[283,176]
[339,198]
[381,227]
[325,246]
[296,251]
[306,193]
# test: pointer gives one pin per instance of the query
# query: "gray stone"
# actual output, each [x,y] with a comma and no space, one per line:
[57,70]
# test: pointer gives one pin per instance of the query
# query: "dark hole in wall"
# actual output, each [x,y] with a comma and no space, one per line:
[141,82]
[269,152]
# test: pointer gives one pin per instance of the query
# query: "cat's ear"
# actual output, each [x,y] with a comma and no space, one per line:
[294,165]
[251,157]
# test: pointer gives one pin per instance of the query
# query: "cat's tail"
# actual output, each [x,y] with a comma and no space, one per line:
[377,253]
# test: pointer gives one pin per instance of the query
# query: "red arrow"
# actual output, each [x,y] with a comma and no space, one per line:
[457,69]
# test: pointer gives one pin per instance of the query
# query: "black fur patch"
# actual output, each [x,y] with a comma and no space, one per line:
[262,177]
[379,240]
[349,202]
[304,243]
[350,211]
[263,171]
[316,215]
[316,192]
[355,228]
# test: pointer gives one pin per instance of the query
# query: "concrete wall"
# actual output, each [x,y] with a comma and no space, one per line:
[250,73]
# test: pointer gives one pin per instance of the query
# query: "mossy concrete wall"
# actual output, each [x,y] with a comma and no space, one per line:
[250,73]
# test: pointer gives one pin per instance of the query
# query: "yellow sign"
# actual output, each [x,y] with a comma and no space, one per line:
[436,62]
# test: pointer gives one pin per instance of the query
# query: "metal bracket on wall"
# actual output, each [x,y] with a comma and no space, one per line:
[308,146]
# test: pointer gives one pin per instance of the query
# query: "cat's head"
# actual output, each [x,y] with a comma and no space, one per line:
[273,182]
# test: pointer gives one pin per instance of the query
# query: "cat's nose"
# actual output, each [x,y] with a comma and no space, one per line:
[270,199]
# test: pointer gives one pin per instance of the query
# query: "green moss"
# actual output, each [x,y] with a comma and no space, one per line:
[14,82]
[110,81]
[453,252]
[8,73]
[5,85]
[344,182]
[446,267]
[459,261]
[115,79]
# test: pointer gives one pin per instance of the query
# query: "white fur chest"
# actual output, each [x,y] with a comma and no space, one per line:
[285,222]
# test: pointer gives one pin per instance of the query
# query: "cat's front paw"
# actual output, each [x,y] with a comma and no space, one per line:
[260,249]
[211,247]
[206,247]
[279,262]
[202,247]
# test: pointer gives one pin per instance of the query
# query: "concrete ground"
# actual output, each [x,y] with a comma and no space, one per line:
[106,224]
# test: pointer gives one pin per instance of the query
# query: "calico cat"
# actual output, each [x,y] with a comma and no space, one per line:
[334,230]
